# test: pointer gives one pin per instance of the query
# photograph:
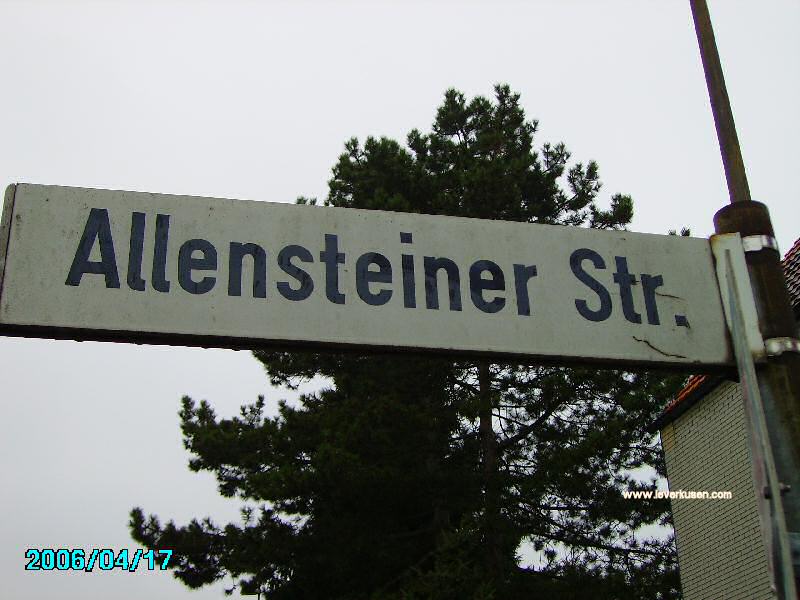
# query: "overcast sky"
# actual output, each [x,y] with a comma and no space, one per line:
[254,100]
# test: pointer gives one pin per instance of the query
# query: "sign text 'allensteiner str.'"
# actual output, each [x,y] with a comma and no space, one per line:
[81,260]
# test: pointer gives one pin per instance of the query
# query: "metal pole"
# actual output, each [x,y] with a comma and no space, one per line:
[779,377]
[720,104]
[761,456]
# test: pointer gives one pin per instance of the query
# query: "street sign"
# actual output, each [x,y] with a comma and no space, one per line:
[182,270]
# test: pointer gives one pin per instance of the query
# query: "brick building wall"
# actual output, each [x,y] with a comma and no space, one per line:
[720,550]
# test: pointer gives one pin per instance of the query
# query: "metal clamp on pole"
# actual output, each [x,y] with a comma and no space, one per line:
[756,243]
[778,345]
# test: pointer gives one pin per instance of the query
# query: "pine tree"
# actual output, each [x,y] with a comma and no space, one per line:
[419,477]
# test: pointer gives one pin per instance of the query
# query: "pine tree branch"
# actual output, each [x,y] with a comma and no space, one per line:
[464,384]
[576,538]
[527,429]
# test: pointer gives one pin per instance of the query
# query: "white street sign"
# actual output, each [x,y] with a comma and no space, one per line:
[183,270]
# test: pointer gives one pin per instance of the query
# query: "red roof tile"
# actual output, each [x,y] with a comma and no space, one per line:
[692,384]
[791,271]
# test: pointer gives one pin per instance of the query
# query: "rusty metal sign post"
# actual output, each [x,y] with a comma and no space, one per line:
[777,381]
[741,313]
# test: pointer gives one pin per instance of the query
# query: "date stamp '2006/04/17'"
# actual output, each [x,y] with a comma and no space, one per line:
[104,559]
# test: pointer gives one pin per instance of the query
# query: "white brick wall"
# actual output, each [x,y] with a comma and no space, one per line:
[720,550]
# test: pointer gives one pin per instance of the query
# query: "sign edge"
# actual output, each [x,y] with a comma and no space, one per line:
[5,232]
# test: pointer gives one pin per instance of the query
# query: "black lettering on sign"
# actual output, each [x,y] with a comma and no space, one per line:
[332,259]
[285,257]
[650,283]
[477,285]
[432,266]
[374,273]
[407,264]
[576,263]
[364,277]
[98,227]
[159,278]
[236,258]
[625,281]
[522,275]
[188,263]
[136,246]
